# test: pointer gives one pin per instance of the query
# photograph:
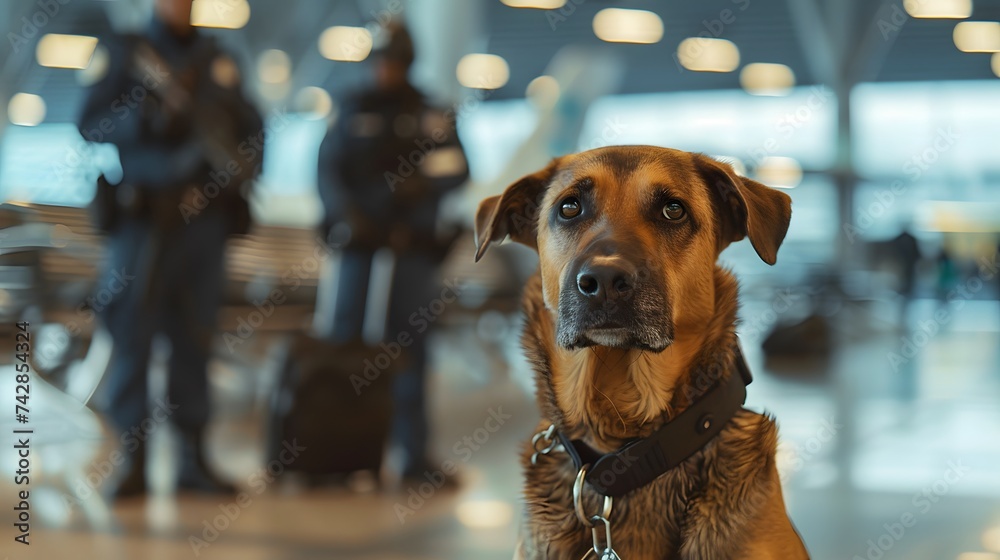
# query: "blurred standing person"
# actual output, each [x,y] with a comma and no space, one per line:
[992,263]
[906,251]
[946,277]
[384,169]
[172,104]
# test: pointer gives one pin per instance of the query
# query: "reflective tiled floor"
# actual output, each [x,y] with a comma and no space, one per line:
[878,461]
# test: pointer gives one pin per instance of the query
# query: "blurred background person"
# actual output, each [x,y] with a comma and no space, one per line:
[384,170]
[906,251]
[946,276]
[992,261]
[179,196]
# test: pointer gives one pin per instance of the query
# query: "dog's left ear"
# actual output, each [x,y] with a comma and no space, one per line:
[749,209]
[514,213]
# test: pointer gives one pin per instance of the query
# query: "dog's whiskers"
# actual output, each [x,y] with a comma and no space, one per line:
[599,358]
[624,427]
[620,360]
[641,352]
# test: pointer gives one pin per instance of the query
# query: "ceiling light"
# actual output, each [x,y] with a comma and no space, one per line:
[780,172]
[537,4]
[274,66]
[274,92]
[482,71]
[708,55]
[543,91]
[484,514]
[762,78]
[736,163]
[96,70]
[617,25]
[346,44]
[222,14]
[945,9]
[995,63]
[65,51]
[977,36]
[991,538]
[313,102]
[960,216]
[26,109]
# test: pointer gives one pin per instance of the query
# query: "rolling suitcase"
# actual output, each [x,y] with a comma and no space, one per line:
[335,401]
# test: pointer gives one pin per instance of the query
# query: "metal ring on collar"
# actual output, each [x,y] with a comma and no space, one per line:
[549,441]
[578,500]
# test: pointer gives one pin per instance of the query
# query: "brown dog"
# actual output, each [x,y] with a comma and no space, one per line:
[627,316]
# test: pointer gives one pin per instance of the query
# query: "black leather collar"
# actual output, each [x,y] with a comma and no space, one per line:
[641,461]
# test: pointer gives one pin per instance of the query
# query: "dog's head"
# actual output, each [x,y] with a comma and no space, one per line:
[628,238]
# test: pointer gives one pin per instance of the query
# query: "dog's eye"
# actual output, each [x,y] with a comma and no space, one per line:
[673,211]
[570,208]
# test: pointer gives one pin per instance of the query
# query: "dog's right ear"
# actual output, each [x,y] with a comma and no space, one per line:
[514,213]
[750,209]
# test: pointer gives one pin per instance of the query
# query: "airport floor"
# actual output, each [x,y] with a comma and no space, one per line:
[879,459]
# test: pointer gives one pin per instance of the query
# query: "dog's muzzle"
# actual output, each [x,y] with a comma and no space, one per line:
[609,300]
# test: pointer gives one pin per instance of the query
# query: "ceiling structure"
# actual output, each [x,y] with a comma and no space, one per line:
[764,31]
[903,48]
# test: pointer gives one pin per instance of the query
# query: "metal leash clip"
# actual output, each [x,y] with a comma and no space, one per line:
[604,552]
[548,441]
[599,551]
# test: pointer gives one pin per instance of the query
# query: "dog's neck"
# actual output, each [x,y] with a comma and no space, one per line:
[606,396]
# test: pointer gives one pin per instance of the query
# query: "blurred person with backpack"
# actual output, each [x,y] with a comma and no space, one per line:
[384,168]
[172,104]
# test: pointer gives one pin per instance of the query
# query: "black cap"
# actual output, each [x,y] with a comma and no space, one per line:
[395,45]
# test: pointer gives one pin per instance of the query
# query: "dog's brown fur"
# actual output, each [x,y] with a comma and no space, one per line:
[723,502]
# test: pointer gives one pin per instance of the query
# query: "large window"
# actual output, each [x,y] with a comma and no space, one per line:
[491,133]
[944,132]
[728,123]
[50,164]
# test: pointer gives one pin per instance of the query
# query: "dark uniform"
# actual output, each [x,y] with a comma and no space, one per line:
[173,106]
[383,171]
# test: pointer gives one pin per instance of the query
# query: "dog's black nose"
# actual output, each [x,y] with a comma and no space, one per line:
[604,281]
